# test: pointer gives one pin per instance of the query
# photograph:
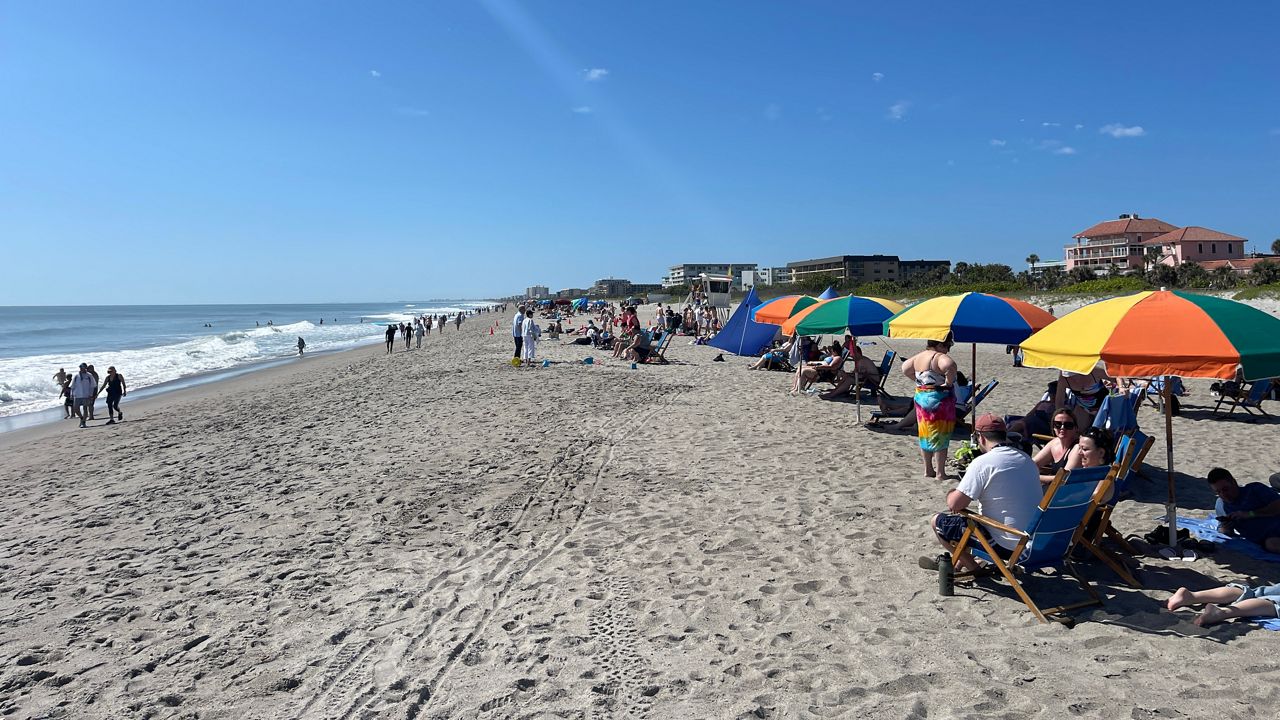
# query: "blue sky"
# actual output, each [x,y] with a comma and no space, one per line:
[320,151]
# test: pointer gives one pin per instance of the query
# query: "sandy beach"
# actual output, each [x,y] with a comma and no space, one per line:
[435,534]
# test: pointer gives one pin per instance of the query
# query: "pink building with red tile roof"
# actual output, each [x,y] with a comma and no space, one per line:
[1196,244]
[1115,242]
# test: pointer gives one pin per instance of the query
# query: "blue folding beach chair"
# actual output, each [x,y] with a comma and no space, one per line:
[964,409]
[1246,402]
[1056,526]
[1131,450]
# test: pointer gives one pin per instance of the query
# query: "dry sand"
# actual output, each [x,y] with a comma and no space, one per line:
[435,534]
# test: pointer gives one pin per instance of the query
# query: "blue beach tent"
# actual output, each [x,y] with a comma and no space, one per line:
[742,335]
[829,294]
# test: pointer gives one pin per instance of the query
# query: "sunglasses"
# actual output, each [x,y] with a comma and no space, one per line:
[1064,426]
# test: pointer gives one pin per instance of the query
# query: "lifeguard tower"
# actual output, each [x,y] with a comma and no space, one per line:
[712,291]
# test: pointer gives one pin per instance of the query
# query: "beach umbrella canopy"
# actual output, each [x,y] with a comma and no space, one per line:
[829,294]
[859,315]
[970,317]
[1162,332]
[779,309]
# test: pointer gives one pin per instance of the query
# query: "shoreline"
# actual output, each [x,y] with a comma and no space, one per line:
[10,424]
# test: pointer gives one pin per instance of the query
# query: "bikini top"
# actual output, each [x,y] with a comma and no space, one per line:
[929,376]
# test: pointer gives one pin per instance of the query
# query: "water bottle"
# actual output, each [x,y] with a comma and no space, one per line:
[946,576]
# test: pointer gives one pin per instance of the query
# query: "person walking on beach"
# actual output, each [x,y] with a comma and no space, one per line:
[517,330]
[302,344]
[457,320]
[115,390]
[96,380]
[83,389]
[391,337]
[68,405]
[418,332]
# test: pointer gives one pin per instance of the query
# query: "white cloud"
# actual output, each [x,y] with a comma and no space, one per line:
[1078,126]
[595,74]
[583,110]
[996,142]
[1117,130]
[1050,124]
[898,110]
[772,112]
[375,73]
[1065,150]
[877,76]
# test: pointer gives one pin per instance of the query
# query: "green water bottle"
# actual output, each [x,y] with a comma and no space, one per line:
[946,576]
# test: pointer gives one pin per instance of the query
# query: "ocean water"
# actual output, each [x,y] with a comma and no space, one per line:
[153,344]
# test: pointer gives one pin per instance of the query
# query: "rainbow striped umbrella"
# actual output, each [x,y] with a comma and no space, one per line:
[970,317]
[779,309]
[1162,332]
[859,315]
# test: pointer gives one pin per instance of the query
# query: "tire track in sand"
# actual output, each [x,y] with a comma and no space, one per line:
[366,677]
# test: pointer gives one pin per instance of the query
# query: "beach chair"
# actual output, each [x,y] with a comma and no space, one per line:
[1049,538]
[886,364]
[658,355]
[1131,450]
[964,409]
[1239,398]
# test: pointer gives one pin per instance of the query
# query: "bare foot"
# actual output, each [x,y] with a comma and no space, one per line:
[930,474]
[1180,598]
[1210,615]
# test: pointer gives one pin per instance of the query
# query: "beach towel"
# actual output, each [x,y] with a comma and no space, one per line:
[1206,529]
[935,417]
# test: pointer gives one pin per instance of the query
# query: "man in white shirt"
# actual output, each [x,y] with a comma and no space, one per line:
[83,388]
[516,331]
[1004,483]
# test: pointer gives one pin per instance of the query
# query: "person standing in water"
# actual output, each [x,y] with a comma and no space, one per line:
[116,389]
[302,344]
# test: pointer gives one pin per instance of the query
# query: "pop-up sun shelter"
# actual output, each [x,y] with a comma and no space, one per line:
[742,335]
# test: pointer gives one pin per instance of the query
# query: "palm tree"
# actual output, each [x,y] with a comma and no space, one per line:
[1032,259]
[1153,256]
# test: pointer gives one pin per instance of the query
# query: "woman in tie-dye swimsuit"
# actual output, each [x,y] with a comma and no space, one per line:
[934,373]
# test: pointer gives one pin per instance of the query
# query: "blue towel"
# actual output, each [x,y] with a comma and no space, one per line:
[1207,529]
[1117,414]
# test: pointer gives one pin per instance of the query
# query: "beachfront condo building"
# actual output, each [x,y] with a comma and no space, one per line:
[847,269]
[537,292]
[1115,242]
[685,273]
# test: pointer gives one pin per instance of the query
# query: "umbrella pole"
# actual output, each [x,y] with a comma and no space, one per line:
[973,365]
[1171,510]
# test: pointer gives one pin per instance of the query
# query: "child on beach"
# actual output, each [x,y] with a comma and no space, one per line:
[1239,600]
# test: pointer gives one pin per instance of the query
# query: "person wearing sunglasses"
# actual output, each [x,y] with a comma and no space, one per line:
[1058,452]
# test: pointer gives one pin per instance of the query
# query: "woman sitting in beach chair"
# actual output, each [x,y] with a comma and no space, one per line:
[775,359]
[815,370]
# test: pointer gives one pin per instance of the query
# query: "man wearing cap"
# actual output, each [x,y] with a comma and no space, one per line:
[1005,484]
[83,388]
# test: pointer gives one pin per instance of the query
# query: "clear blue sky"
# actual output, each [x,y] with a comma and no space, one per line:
[319,151]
